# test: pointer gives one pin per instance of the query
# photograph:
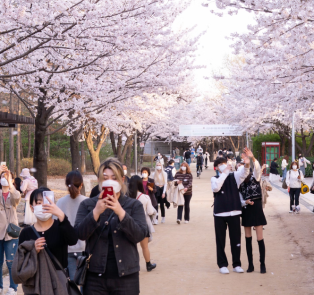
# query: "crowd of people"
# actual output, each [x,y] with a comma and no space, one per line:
[100,233]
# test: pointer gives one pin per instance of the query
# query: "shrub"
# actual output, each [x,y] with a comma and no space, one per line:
[56,167]
[308,170]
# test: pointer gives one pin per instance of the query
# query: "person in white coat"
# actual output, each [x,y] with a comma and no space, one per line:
[206,159]
[28,185]
[136,191]
[161,182]
[303,163]
[284,165]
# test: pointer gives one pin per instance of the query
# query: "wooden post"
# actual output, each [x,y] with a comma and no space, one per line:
[18,144]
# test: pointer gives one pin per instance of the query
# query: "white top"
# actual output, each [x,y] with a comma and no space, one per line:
[217,183]
[292,178]
[303,161]
[284,164]
[159,180]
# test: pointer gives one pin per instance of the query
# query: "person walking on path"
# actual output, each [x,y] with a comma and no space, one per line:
[273,173]
[120,223]
[10,198]
[193,154]
[187,156]
[293,180]
[253,214]
[69,205]
[206,159]
[284,165]
[55,235]
[184,176]
[149,186]
[136,191]
[160,178]
[303,163]
[199,164]
[228,209]
[29,184]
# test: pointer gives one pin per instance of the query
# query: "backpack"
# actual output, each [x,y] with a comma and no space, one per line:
[168,170]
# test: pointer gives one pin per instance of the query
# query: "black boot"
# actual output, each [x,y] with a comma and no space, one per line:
[150,266]
[249,252]
[261,246]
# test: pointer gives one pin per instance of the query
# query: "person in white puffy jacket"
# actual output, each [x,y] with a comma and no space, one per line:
[136,191]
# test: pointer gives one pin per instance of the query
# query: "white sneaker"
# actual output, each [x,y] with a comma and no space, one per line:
[163,219]
[224,270]
[156,222]
[238,269]
[178,221]
[186,221]
[1,291]
[297,209]
[11,292]
[290,211]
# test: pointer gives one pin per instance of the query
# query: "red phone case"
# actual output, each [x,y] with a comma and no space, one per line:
[108,190]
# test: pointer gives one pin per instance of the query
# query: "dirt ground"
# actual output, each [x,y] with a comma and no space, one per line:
[186,254]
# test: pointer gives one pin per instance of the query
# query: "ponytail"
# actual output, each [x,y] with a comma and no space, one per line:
[73,181]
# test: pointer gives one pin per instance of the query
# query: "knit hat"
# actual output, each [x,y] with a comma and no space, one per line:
[25,173]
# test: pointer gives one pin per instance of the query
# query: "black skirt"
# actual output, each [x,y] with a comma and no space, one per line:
[253,215]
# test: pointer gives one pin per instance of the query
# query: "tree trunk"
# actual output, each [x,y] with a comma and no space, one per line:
[283,146]
[48,145]
[1,147]
[83,160]
[11,140]
[18,144]
[29,141]
[113,144]
[75,151]
[129,158]
[40,156]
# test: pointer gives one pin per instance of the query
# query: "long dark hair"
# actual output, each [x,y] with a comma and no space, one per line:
[73,181]
[135,185]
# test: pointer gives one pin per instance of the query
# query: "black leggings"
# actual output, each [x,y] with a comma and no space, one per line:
[161,201]
[187,199]
[294,196]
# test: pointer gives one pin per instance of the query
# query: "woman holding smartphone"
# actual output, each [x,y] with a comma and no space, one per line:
[293,180]
[120,224]
[149,186]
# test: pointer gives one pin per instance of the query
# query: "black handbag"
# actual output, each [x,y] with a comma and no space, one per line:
[83,261]
[13,230]
[72,288]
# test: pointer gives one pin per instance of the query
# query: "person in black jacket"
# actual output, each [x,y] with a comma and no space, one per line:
[114,265]
[199,163]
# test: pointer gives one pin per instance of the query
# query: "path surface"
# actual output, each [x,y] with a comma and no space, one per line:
[186,254]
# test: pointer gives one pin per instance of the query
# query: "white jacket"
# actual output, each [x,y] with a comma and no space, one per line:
[284,164]
[149,210]
[175,194]
[292,178]
[305,162]
[28,186]
[165,177]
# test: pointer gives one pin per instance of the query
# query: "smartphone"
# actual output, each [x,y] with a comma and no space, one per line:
[108,190]
[3,163]
[267,165]
[50,195]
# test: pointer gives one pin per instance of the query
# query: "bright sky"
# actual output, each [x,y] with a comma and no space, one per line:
[214,47]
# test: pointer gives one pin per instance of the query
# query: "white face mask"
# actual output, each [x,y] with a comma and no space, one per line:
[38,211]
[159,157]
[144,175]
[294,167]
[4,182]
[222,167]
[183,168]
[112,183]
[125,172]
[158,167]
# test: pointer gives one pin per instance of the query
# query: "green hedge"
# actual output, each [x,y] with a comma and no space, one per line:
[308,170]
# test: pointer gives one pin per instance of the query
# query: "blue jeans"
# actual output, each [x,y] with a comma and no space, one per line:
[9,248]
[72,258]
[284,174]
[188,161]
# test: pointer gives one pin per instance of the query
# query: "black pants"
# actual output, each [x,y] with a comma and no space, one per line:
[161,200]
[199,167]
[233,223]
[294,196]
[187,199]
[100,285]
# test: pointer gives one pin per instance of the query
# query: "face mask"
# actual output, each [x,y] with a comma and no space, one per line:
[113,183]
[38,211]
[4,182]
[125,172]
[222,167]
[294,167]
[158,167]
[183,168]
[144,175]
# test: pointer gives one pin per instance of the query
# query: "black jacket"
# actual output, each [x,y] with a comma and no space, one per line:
[273,168]
[125,234]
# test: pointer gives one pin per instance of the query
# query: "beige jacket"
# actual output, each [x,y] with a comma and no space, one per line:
[9,215]
[150,211]
[175,194]
[264,185]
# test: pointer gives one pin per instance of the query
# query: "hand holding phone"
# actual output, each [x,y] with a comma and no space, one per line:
[108,191]
[50,195]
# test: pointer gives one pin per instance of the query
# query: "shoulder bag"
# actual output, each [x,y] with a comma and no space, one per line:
[62,274]
[13,230]
[84,260]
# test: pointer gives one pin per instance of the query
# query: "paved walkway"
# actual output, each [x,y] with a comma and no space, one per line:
[186,254]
